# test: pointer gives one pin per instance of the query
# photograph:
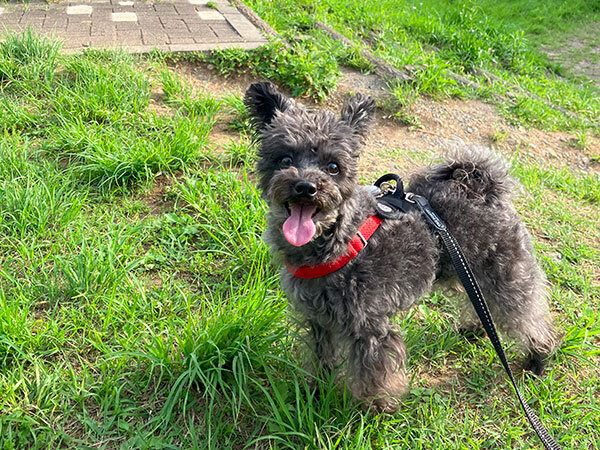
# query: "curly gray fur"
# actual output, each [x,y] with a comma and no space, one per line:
[354,306]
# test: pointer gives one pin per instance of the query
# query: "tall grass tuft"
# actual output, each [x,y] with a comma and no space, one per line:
[35,198]
[28,62]
[196,105]
[102,87]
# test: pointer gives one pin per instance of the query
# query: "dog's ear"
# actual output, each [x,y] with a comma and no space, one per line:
[359,113]
[263,100]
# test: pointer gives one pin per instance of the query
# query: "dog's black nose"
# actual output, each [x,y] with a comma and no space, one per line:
[305,189]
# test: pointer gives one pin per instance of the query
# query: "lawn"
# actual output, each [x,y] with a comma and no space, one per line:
[138,305]
[436,38]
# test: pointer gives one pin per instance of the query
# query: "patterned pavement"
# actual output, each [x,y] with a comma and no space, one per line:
[138,26]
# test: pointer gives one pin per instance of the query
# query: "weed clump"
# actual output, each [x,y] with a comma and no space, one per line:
[27,62]
[302,67]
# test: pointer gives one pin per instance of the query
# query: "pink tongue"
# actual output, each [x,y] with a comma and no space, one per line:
[299,228]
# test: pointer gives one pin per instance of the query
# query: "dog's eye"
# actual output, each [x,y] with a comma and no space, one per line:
[285,162]
[333,169]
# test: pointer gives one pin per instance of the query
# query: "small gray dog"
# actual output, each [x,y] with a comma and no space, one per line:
[307,172]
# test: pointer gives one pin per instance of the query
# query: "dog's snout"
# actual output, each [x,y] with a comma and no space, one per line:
[305,189]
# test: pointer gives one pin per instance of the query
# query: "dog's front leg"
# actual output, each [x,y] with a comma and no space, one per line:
[378,369]
[323,357]
[324,349]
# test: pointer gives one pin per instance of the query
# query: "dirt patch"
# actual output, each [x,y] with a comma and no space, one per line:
[157,199]
[454,123]
[445,125]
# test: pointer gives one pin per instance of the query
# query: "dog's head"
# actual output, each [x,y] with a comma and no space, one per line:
[307,159]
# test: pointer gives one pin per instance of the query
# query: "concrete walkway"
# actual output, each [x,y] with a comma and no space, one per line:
[137,26]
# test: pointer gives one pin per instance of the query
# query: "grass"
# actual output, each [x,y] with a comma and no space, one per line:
[138,307]
[540,20]
[440,37]
[305,68]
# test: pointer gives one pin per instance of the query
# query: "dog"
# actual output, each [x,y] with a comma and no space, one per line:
[307,173]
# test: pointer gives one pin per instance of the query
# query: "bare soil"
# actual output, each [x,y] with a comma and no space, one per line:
[445,125]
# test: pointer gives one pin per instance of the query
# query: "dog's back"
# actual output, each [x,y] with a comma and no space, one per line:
[473,174]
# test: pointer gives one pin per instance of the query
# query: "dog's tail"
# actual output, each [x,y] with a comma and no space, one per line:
[475,173]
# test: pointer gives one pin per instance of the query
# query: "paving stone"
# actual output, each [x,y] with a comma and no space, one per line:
[35,13]
[134,34]
[190,16]
[164,8]
[79,9]
[102,15]
[103,7]
[101,42]
[10,19]
[144,8]
[132,37]
[33,23]
[78,41]
[169,15]
[180,33]
[124,17]
[149,38]
[151,23]
[206,36]
[79,19]
[173,23]
[228,9]
[55,23]
[105,34]
[225,32]
[99,27]
[243,27]
[138,26]
[185,9]
[181,40]
[210,14]
[79,28]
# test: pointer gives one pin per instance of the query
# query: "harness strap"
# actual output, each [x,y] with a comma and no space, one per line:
[359,242]
[475,295]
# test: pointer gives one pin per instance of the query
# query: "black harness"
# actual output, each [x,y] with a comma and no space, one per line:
[393,201]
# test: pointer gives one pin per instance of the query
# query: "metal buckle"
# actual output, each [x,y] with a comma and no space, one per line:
[387,188]
[408,196]
[362,238]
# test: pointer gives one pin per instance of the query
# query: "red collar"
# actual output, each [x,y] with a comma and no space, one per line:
[359,242]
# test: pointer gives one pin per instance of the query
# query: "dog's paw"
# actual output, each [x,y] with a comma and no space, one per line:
[387,405]
[535,363]
[472,333]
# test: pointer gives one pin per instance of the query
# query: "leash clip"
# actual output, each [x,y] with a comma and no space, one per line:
[387,188]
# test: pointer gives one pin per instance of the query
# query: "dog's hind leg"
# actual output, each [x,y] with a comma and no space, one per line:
[378,370]
[469,324]
[528,320]
[519,307]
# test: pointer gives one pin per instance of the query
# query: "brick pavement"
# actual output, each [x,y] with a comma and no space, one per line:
[138,26]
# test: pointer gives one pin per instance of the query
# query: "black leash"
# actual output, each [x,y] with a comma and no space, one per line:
[396,199]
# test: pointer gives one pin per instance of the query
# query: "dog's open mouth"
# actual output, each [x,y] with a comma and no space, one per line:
[299,228]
